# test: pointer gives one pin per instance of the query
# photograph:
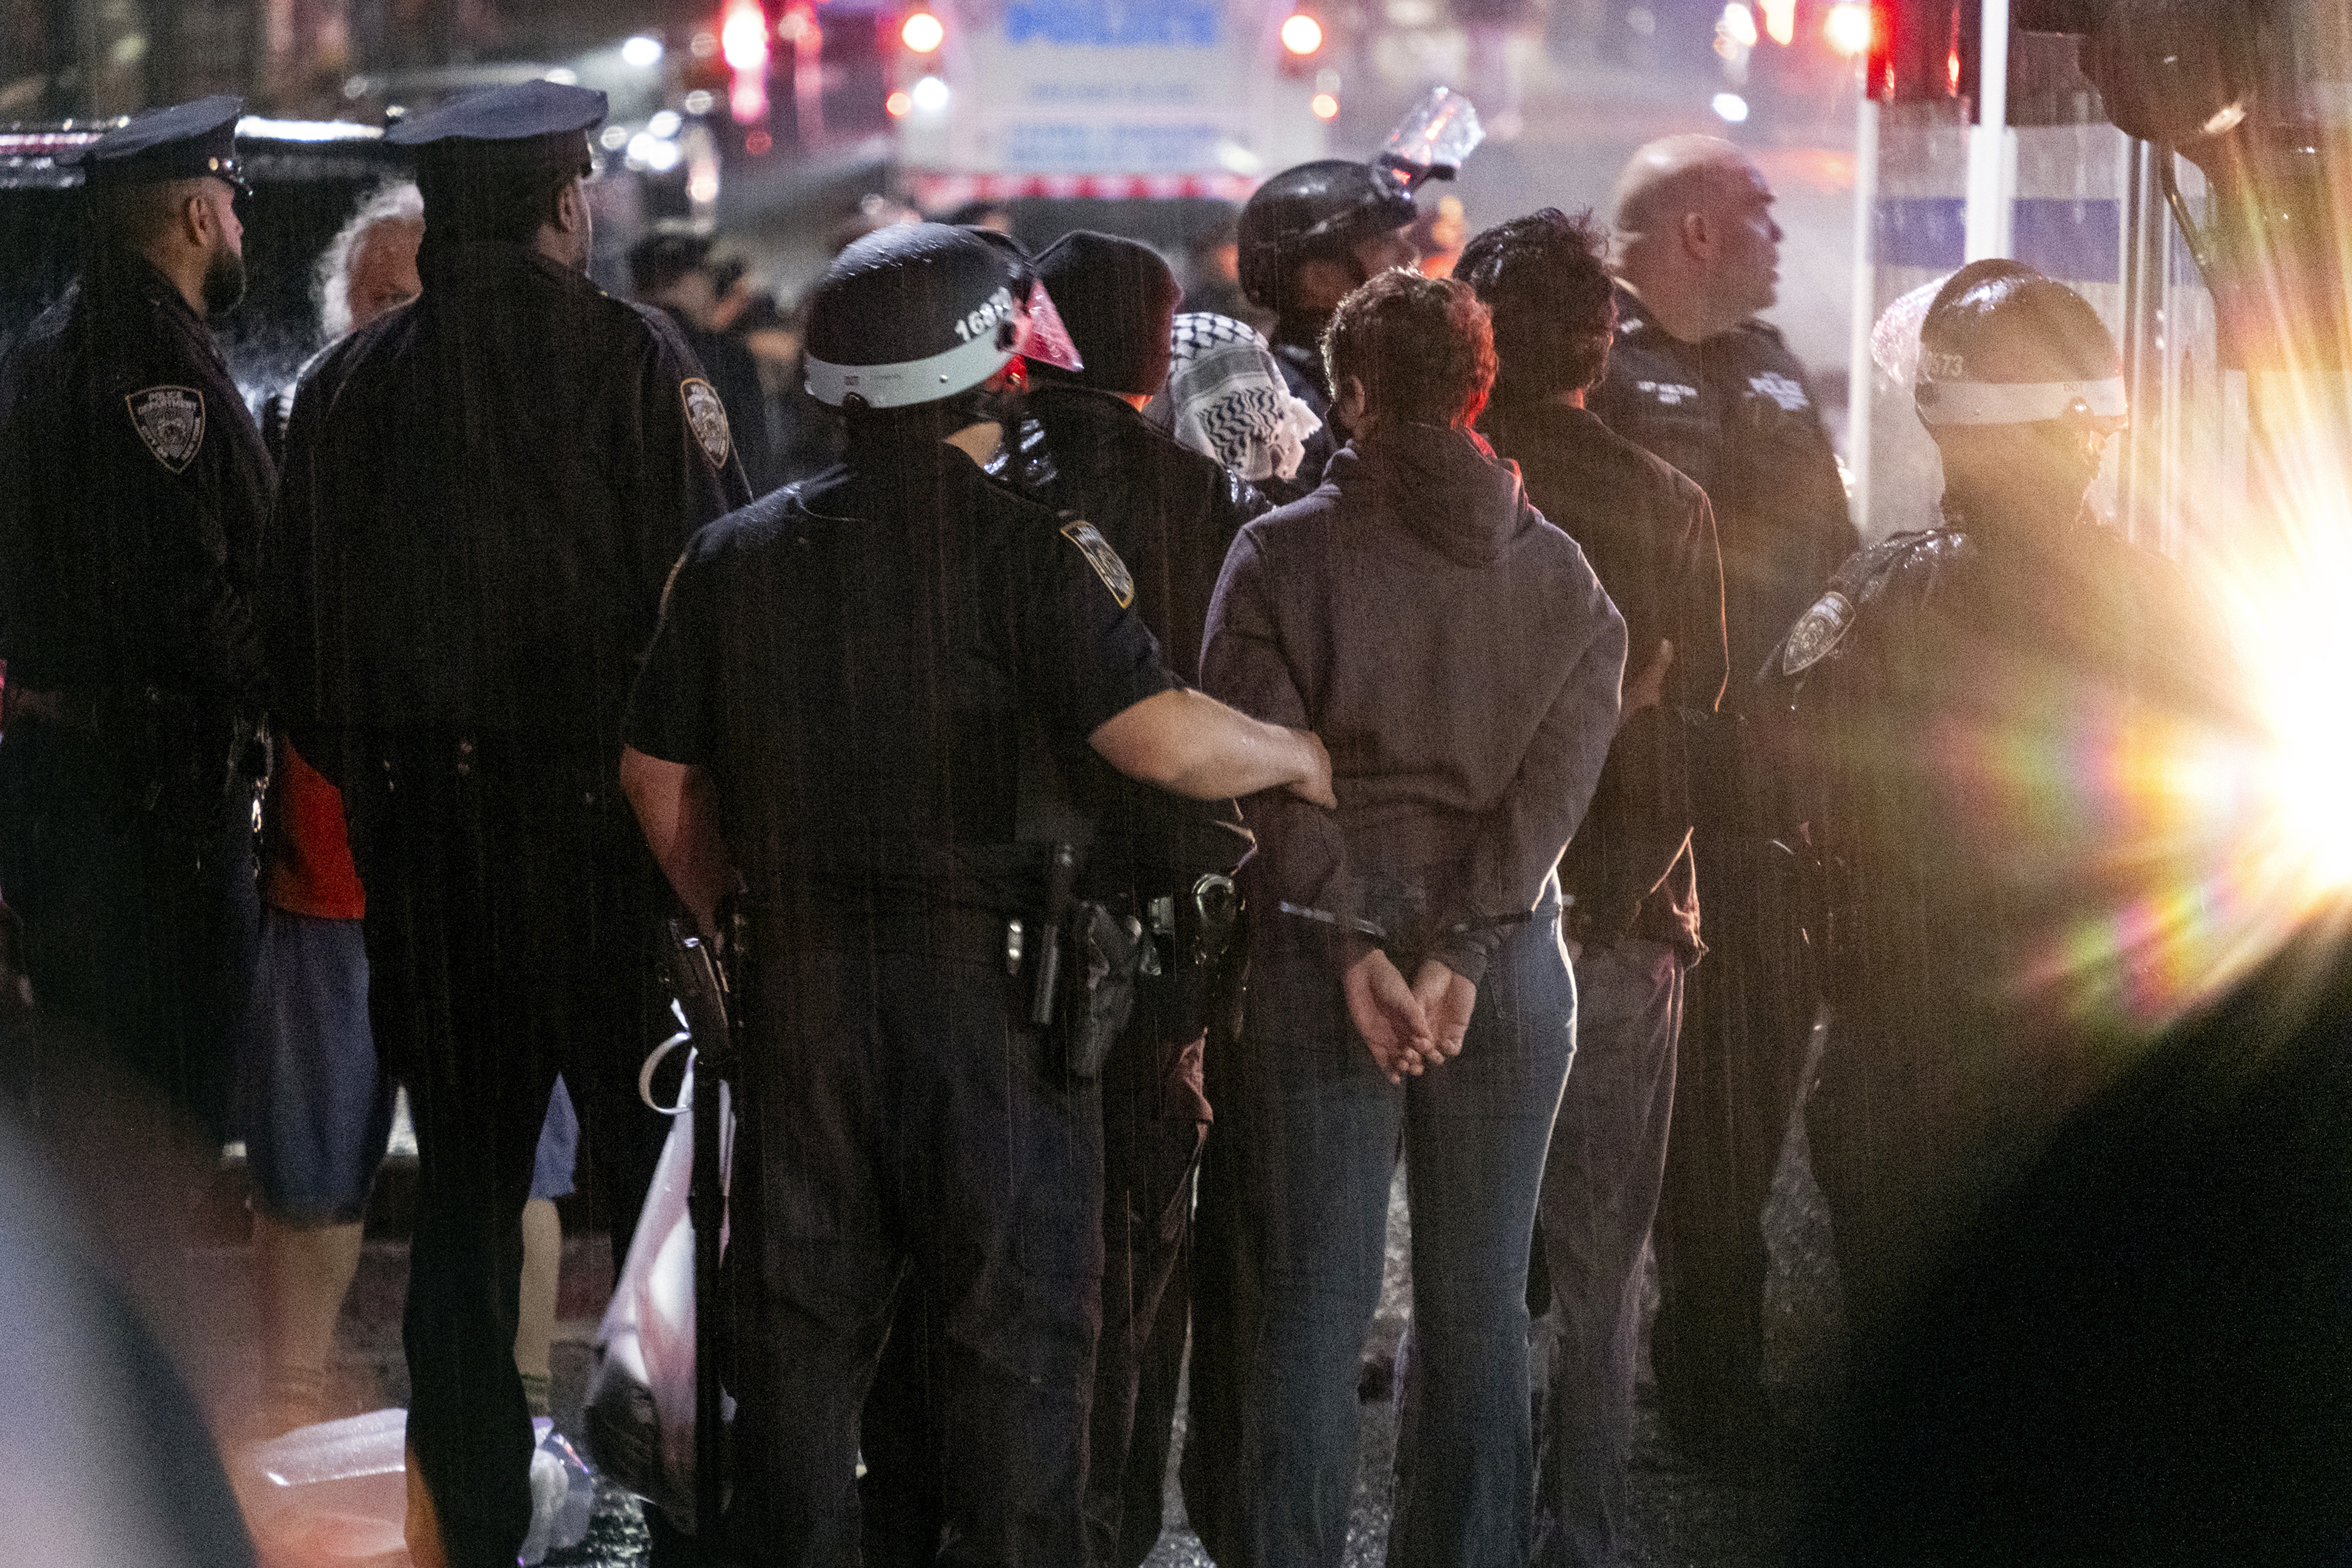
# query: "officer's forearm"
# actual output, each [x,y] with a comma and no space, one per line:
[680,821]
[1193,744]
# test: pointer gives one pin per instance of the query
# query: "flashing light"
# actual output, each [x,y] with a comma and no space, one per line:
[1301,34]
[1779,20]
[743,37]
[900,104]
[642,52]
[1952,70]
[1738,25]
[1846,29]
[1326,107]
[923,33]
[931,96]
[743,41]
[1730,107]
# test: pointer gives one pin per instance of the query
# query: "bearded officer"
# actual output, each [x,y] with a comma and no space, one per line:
[1986,884]
[853,703]
[483,494]
[133,486]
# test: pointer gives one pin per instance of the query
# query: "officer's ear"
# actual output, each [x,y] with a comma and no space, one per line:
[1697,234]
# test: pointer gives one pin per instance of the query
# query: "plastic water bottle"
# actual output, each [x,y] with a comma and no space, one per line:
[562,1496]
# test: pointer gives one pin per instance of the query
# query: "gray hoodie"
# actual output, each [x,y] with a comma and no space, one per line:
[1461,661]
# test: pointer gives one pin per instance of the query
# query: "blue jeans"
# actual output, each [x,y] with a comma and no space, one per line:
[1293,1218]
[1599,1195]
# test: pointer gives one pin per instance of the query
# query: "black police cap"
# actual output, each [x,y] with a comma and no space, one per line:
[184,141]
[524,124]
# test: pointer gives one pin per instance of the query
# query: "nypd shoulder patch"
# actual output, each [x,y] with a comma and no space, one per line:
[1103,559]
[705,415]
[171,420]
[1817,632]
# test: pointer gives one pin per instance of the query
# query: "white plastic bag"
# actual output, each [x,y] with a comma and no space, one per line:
[641,1397]
[562,1496]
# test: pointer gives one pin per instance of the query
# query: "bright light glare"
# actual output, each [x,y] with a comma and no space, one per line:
[1738,25]
[1847,27]
[1301,34]
[931,96]
[1325,106]
[642,52]
[652,152]
[1779,20]
[923,33]
[744,37]
[1730,107]
[698,101]
[665,123]
[614,138]
[898,105]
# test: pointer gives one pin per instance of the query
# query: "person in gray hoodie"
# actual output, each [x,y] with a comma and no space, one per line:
[1408,988]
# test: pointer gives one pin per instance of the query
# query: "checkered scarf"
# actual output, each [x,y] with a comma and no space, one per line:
[1225,398]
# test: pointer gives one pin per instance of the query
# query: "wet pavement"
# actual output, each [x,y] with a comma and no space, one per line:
[1682,1516]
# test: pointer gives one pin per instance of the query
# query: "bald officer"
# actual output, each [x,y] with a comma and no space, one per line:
[484,493]
[1696,378]
[133,490]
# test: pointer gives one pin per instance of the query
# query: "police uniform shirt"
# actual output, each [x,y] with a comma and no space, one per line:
[1171,513]
[1734,414]
[133,486]
[1927,680]
[484,492]
[852,660]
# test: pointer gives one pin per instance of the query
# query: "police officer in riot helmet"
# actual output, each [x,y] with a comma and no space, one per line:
[1084,449]
[134,485]
[850,712]
[1944,689]
[1308,237]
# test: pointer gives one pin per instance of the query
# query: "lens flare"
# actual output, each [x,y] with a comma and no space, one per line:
[1301,34]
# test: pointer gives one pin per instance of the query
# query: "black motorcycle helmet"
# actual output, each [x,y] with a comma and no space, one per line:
[1322,208]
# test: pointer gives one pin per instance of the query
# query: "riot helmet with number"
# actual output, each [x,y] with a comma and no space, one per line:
[919,313]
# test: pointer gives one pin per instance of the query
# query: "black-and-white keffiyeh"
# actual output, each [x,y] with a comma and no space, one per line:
[1225,398]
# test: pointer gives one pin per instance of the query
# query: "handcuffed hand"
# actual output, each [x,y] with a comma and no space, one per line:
[1446,1000]
[1388,1015]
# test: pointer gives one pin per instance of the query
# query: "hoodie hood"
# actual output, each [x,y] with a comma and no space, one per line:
[1444,485]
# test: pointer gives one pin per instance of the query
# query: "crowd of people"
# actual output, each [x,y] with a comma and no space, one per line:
[1157,759]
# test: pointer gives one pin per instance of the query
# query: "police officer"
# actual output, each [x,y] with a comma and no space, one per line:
[483,494]
[1947,688]
[1308,237]
[834,710]
[1697,379]
[1633,915]
[133,490]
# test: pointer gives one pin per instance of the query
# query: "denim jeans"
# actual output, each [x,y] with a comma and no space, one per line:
[1293,1220]
[1599,1193]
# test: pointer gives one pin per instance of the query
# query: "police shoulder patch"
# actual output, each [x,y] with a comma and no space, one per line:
[1817,632]
[1103,559]
[171,420]
[705,415]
